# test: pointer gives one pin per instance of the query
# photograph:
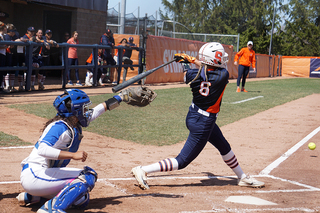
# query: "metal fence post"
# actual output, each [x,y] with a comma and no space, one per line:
[28,65]
[65,64]
[95,62]
[120,51]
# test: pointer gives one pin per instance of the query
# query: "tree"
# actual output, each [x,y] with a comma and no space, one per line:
[302,30]
[252,19]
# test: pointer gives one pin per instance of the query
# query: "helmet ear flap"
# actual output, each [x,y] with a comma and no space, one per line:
[62,104]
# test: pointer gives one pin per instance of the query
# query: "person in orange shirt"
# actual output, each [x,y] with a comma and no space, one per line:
[73,58]
[247,58]
[88,80]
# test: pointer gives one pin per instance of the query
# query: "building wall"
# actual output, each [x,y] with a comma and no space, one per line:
[90,25]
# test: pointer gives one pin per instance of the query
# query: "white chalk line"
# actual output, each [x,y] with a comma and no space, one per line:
[285,156]
[307,187]
[302,209]
[245,100]
[17,147]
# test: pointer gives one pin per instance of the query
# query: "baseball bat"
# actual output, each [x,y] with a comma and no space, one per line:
[138,77]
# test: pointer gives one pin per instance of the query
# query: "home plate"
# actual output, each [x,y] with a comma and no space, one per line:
[248,200]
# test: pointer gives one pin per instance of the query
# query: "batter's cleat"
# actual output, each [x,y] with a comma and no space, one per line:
[140,176]
[32,88]
[12,89]
[40,87]
[243,90]
[100,83]
[26,199]
[238,89]
[87,83]
[250,182]
[47,208]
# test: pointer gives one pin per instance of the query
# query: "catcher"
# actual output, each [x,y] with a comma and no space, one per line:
[44,175]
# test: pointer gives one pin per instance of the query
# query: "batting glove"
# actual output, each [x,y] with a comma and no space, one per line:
[184,58]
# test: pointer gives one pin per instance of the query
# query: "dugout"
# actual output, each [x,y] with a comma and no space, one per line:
[88,18]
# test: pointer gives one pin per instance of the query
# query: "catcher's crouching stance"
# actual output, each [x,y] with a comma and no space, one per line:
[44,176]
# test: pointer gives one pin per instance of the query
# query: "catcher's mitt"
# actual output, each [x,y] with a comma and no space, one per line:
[138,96]
[184,58]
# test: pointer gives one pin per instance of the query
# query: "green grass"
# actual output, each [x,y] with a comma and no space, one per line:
[9,140]
[163,122]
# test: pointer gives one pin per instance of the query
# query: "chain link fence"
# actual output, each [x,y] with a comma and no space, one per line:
[150,24]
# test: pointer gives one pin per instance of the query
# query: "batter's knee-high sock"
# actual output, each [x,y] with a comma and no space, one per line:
[103,75]
[3,82]
[20,80]
[7,80]
[33,79]
[231,160]
[11,78]
[43,79]
[40,76]
[165,165]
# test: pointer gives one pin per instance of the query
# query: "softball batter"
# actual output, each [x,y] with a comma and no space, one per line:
[207,85]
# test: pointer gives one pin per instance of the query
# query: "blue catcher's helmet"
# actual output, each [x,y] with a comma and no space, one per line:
[74,102]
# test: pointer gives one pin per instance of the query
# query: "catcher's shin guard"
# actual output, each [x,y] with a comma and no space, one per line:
[74,193]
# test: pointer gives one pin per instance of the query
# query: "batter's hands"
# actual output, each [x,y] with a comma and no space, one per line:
[184,58]
[80,155]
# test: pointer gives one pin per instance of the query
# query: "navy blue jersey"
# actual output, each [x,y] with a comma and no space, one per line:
[108,41]
[207,95]
[128,52]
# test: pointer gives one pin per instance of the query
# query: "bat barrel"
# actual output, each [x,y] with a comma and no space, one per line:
[138,77]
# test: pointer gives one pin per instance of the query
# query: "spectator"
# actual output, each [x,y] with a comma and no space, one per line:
[247,58]
[2,53]
[46,57]
[88,80]
[18,55]
[126,57]
[11,56]
[107,40]
[37,58]
[73,58]
[123,42]
[66,37]
[27,37]
[37,54]
[9,78]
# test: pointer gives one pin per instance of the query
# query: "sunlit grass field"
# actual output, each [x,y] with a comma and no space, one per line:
[163,122]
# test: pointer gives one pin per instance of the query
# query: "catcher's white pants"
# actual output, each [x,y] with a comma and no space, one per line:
[47,182]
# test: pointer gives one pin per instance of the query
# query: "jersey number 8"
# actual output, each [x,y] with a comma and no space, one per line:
[204,88]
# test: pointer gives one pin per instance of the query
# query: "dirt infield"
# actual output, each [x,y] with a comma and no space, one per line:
[271,146]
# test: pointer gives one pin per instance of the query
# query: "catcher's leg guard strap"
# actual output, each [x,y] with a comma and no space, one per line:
[74,190]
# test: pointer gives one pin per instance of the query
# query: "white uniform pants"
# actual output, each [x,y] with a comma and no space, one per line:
[47,182]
